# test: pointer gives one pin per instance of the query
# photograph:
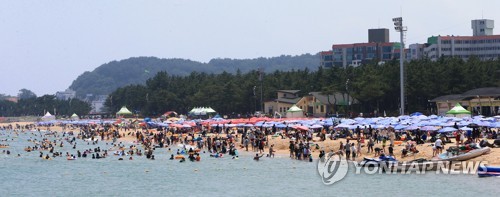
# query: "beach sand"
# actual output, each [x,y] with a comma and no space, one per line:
[281,147]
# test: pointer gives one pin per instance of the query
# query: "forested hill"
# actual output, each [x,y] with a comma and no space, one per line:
[110,76]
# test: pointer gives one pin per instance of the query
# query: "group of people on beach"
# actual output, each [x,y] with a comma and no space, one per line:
[219,141]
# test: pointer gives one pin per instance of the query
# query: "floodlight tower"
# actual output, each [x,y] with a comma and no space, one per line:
[398,26]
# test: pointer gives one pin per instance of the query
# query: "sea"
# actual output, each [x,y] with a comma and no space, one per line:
[29,175]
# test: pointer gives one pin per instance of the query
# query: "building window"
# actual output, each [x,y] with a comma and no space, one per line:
[481,30]
[322,109]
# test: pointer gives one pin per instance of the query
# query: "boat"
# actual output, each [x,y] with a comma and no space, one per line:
[377,162]
[448,156]
[487,171]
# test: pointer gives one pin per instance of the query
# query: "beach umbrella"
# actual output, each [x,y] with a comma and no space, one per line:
[248,125]
[416,114]
[342,126]
[447,129]
[473,125]
[466,129]
[303,128]
[429,128]
[495,125]
[484,124]
[316,126]
[400,127]
[412,127]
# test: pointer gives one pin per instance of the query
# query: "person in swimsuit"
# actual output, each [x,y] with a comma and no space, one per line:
[257,157]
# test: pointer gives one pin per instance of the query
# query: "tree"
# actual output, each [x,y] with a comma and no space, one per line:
[26,94]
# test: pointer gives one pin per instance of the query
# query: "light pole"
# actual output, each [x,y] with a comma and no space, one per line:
[398,26]
[254,100]
[261,79]
[347,91]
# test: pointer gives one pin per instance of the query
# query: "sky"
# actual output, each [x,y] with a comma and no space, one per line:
[45,45]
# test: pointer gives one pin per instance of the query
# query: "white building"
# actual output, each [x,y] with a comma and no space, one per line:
[66,95]
[483,44]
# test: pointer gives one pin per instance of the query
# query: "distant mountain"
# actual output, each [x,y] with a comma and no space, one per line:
[136,70]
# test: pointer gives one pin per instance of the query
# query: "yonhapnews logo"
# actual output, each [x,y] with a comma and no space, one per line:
[332,168]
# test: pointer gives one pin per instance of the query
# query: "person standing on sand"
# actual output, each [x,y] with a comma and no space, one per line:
[370,145]
[347,150]
[384,142]
[439,146]
[353,151]
[358,148]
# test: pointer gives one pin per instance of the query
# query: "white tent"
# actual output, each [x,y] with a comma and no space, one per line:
[74,117]
[201,111]
[294,112]
[48,117]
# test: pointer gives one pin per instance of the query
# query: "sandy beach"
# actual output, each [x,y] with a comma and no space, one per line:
[281,146]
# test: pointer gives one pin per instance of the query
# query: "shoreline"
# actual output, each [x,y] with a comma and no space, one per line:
[281,146]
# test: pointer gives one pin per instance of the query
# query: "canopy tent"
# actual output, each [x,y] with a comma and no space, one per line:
[201,111]
[458,111]
[294,112]
[124,111]
[74,117]
[48,117]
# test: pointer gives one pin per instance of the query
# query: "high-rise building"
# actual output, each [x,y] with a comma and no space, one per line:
[483,44]
[378,35]
[378,48]
[482,27]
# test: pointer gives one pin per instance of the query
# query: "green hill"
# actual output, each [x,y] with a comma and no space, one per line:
[136,70]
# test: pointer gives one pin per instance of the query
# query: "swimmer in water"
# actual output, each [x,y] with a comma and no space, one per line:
[257,157]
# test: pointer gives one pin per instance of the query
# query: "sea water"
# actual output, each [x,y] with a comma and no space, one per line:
[29,175]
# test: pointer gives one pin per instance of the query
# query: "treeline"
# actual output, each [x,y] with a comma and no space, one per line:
[376,86]
[37,106]
[110,76]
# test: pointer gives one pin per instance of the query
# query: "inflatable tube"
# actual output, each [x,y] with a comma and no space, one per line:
[179,157]
[487,171]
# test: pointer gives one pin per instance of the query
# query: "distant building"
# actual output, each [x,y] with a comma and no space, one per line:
[343,55]
[482,27]
[11,99]
[483,44]
[98,104]
[284,100]
[483,47]
[483,101]
[378,35]
[66,95]
[318,105]
[378,49]
[416,51]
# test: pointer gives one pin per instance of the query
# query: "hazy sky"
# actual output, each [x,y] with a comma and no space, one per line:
[45,45]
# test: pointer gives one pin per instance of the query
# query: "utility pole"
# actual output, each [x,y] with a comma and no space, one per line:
[398,26]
